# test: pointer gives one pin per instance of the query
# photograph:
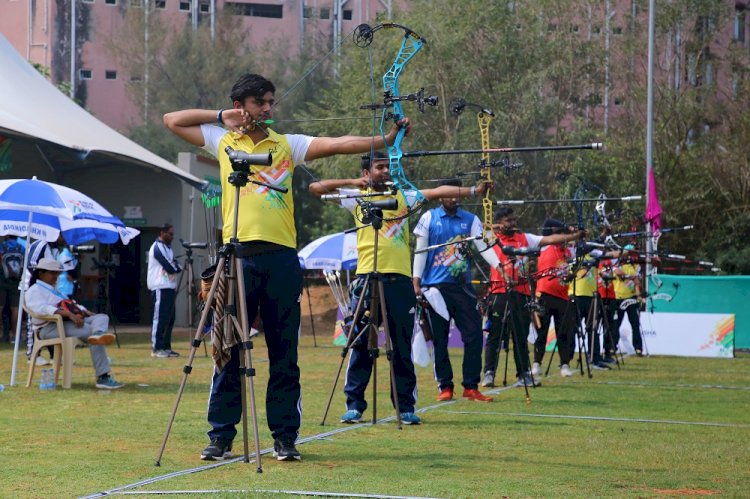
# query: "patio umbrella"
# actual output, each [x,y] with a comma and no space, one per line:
[79,231]
[333,252]
[31,198]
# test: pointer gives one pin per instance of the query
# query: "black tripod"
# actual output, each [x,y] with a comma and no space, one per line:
[188,270]
[229,268]
[600,320]
[369,320]
[108,268]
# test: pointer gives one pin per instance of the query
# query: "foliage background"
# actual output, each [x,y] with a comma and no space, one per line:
[541,66]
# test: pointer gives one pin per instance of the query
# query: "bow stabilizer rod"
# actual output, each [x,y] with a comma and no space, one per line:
[597,146]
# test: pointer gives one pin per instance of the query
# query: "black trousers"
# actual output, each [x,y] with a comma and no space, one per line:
[634,316]
[564,314]
[400,302]
[608,311]
[273,282]
[163,320]
[518,318]
[461,303]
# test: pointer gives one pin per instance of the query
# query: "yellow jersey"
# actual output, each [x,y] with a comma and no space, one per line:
[264,214]
[625,287]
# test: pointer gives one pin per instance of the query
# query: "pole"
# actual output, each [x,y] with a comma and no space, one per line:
[72,50]
[649,132]
[20,301]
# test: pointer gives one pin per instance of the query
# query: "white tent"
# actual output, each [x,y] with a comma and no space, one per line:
[65,134]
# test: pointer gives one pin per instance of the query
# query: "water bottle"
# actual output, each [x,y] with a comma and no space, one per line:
[2,388]
[44,382]
[51,384]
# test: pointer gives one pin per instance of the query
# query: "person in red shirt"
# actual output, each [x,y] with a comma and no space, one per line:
[510,290]
[552,293]
[609,308]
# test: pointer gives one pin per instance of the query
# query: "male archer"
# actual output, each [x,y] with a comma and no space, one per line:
[268,241]
[394,269]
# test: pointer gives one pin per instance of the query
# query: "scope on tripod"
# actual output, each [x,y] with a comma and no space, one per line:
[88,248]
[189,245]
[385,204]
[241,161]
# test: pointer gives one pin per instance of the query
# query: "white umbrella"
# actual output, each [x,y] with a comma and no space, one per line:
[333,252]
[44,201]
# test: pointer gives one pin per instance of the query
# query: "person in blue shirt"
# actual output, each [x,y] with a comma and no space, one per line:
[442,276]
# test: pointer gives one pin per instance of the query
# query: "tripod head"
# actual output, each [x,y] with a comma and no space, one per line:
[372,211]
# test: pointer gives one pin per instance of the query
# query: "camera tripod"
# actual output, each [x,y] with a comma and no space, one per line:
[229,269]
[509,324]
[368,321]
[600,320]
[103,294]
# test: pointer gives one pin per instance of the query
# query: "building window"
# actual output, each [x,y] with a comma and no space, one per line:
[136,4]
[110,74]
[256,9]
[325,13]
[185,6]
[160,4]
[136,78]
[619,101]
[574,28]
[307,12]
[88,1]
[617,30]
[739,25]
[110,2]
[204,7]
[84,74]
[347,15]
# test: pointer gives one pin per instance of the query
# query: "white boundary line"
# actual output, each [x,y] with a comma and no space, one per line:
[269,491]
[602,418]
[662,385]
[319,436]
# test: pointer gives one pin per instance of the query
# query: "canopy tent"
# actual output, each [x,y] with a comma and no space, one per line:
[36,114]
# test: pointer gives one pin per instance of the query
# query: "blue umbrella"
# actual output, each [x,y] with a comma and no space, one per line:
[333,252]
[43,209]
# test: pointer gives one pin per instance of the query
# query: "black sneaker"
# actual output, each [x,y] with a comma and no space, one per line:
[172,353]
[218,450]
[284,450]
[600,366]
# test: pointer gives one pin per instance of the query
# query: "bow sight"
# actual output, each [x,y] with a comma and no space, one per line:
[389,99]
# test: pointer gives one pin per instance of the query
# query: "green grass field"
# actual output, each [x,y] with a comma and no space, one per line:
[659,427]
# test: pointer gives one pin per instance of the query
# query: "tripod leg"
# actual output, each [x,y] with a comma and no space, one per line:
[350,339]
[389,353]
[189,365]
[246,362]
[312,322]
[372,342]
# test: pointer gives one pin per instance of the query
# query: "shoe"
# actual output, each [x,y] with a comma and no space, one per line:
[609,360]
[410,418]
[565,371]
[475,395]
[527,380]
[218,450]
[160,354]
[284,450]
[107,382]
[639,353]
[351,416]
[536,369]
[446,394]
[101,339]
[40,361]
[599,366]
[489,379]
[172,353]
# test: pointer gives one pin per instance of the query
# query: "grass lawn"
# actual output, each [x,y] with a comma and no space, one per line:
[623,433]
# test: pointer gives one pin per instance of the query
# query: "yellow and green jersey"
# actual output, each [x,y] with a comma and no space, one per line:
[264,214]
[625,287]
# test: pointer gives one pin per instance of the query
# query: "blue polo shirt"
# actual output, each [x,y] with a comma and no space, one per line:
[446,265]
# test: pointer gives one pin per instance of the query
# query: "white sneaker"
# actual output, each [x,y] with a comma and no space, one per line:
[565,371]
[40,361]
[536,369]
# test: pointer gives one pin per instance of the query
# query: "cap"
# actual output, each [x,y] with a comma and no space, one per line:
[49,264]
[553,226]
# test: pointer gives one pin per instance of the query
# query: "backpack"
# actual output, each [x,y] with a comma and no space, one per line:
[12,261]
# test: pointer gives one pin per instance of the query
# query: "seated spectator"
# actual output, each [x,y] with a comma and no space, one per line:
[42,298]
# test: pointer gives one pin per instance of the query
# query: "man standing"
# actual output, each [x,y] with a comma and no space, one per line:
[268,242]
[393,266]
[627,286]
[510,290]
[445,273]
[162,281]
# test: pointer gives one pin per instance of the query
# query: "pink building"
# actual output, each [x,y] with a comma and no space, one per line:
[41,32]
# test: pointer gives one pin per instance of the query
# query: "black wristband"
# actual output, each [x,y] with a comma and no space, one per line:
[218,116]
